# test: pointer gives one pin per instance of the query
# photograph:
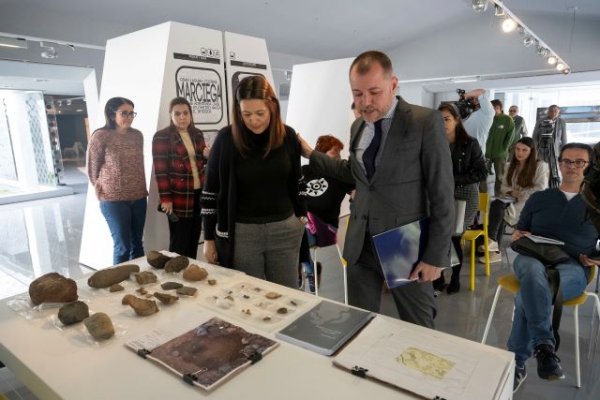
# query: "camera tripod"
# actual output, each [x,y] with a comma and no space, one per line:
[547,153]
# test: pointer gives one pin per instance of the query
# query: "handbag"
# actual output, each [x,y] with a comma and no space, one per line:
[547,254]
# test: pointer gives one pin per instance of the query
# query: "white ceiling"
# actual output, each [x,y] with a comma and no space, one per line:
[306,29]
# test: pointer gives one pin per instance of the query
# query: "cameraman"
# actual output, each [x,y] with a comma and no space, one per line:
[479,122]
[559,132]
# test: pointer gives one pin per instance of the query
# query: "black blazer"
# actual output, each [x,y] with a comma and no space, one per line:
[468,163]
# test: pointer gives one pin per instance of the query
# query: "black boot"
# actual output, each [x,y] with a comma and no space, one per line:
[454,285]
[440,283]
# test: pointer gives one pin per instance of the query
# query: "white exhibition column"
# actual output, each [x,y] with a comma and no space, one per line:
[151,67]
[320,101]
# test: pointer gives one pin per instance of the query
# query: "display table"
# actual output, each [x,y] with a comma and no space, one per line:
[68,364]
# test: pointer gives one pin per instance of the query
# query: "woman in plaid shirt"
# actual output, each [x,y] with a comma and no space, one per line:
[179,154]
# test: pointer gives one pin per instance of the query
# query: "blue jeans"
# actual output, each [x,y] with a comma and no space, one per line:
[126,221]
[532,324]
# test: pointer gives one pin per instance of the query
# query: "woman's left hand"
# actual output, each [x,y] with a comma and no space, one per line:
[588,261]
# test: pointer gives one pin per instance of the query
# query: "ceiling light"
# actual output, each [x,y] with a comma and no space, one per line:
[509,25]
[68,102]
[528,41]
[552,60]
[566,71]
[560,66]
[48,52]
[13,43]
[542,51]
[480,5]
[499,11]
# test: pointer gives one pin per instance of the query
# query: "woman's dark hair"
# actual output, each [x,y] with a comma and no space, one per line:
[461,133]
[177,101]
[110,110]
[327,142]
[256,87]
[527,173]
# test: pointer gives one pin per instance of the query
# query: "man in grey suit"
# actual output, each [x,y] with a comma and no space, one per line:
[400,162]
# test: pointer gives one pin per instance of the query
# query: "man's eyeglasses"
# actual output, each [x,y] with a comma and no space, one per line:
[512,111]
[576,163]
[126,114]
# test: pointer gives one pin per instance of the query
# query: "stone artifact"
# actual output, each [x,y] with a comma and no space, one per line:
[272,295]
[72,313]
[171,285]
[109,276]
[186,291]
[194,273]
[177,264]
[146,277]
[166,298]
[212,282]
[99,326]
[282,310]
[157,259]
[116,288]
[141,307]
[52,288]
[142,291]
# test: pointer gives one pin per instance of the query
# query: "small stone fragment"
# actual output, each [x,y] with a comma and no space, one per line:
[229,297]
[177,264]
[52,288]
[109,276]
[145,277]
[171,285]
[282,310]
[157,259]
[116,288]
[224,304]
[245,296]
[141,307]
[166,298]
[72,313]
[99,326]
[141,290]
[194,273]
[267,318]
[212,282]
[246,311]
[186,291]
[292,302]
[272,295]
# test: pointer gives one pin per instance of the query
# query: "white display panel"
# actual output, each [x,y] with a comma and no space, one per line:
[151,67]
[320,101]
[244,56]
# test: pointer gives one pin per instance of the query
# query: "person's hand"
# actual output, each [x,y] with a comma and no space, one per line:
[306,149]
[474,94]
[167,207]
[424,272]
[517,234]
[588,261]
[210,252]
[206,152]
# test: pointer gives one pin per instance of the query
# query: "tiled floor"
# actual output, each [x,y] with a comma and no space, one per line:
[43,236]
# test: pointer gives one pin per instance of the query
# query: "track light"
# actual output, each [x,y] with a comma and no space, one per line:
[528,41]
[542,51]
[479,5]
[499,11]
[48,52]
[509,25]
[560,66]
[566,71]
[552,60]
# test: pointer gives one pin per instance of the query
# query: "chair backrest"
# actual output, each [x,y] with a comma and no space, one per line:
[592,274]
[484,207]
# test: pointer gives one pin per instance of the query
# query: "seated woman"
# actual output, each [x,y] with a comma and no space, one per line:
[525,174]
[324,197]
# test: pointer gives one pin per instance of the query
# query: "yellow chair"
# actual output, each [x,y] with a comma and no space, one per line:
[510,283]
[472,234]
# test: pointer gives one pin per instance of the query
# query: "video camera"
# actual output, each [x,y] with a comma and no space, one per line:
[547,128]
[465,106]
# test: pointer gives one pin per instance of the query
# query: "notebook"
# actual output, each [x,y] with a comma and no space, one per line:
[400,249]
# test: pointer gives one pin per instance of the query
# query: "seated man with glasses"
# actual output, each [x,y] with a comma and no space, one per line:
[557,213]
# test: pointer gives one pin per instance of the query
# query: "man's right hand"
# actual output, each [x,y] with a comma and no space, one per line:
[167,207]
[210,252]
[474,94]
[517,234]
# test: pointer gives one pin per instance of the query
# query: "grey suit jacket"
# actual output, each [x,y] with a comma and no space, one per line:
[413,180]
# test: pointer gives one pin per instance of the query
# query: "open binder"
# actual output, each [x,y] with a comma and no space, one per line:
[206,355]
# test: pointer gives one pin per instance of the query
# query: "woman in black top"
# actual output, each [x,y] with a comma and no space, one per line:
[468,167]
[253,214]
